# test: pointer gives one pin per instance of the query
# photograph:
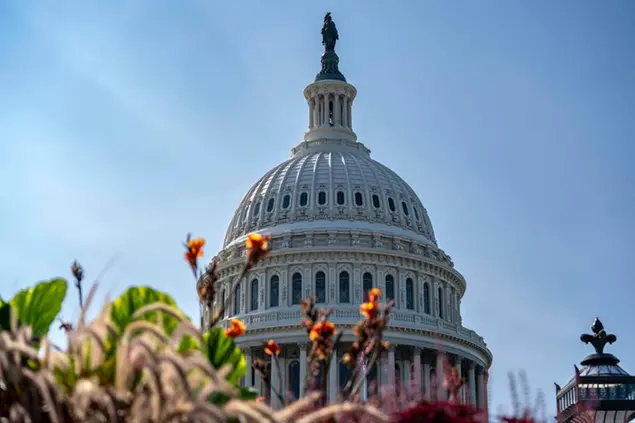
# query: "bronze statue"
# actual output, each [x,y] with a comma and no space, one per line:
[329,33]
[600,338]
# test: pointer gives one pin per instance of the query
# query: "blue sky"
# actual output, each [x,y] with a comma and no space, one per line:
[124,125]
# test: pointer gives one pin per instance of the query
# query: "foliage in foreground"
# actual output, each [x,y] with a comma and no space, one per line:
[142,360]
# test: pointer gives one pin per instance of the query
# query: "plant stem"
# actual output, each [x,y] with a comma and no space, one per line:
[371,363]
[279,392]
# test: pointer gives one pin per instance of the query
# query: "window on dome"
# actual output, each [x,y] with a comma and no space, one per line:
[270,204]
[359,199]
[341,198]
[376,202]
[257,208]
[320,287]
[367,284]
[390,288]
[237,300]
[426,298]
[404,206]
[440,300]
[410,294]
[274,287]
[254,295]
[304,199]
[391,204]
[294,379]
[321,198]
[345,288]
[414,209]
[286,200]
[296,289]
[222,298]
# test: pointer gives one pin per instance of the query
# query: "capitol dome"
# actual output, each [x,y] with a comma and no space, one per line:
[342,223]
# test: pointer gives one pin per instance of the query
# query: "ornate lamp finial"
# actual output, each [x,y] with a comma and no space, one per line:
[600,338]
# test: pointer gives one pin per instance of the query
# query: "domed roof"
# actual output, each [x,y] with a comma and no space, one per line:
[329,185]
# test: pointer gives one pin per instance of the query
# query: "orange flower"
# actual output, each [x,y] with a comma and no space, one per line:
[271,348]
[257,247]
[368,310]
[194,250]
[324,330]
[373,294]
[237,329]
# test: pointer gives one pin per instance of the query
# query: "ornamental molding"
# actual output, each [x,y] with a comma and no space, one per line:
[416,338]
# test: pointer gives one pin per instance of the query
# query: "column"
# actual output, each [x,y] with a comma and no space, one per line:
[440,376]
[391,367]
[344,114]
[459,371]
[303,347]
[426,381]
[350,114]
[416,368]
[284,375]
[471,384]
[482,395]
[336,110]
[310,113]
[332,390]
[248,377]
[258,384]
[315,111]
[275,384]
[325,109]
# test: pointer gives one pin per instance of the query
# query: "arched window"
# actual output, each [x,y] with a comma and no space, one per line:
[294,379]
[414,209]
[376,202]
[320,287]
[391,204]
[270,204]
[274,290]
[257,208]
[426,298]
[304,199]
[410,294]
[345,288]
[390,288]
[367,284]
[344,373]
[221,302]
[397,375]
[331,120]
[286,200]
[321,198]
[254,295]
[296,288]
[440,303]
[359,199]
[341,198]
[404,206]
[237,300]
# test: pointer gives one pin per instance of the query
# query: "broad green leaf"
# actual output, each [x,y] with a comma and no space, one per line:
[137,297]
[39,306]
[247,394]
[220,350]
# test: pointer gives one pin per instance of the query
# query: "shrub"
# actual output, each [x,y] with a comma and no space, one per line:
[142,360]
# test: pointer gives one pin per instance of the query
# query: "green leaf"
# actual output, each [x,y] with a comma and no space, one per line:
[247,394]
[5,317]
[39,306]
[220,350]
[137,297]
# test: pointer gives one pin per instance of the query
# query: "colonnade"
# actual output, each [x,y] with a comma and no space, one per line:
[409,368]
